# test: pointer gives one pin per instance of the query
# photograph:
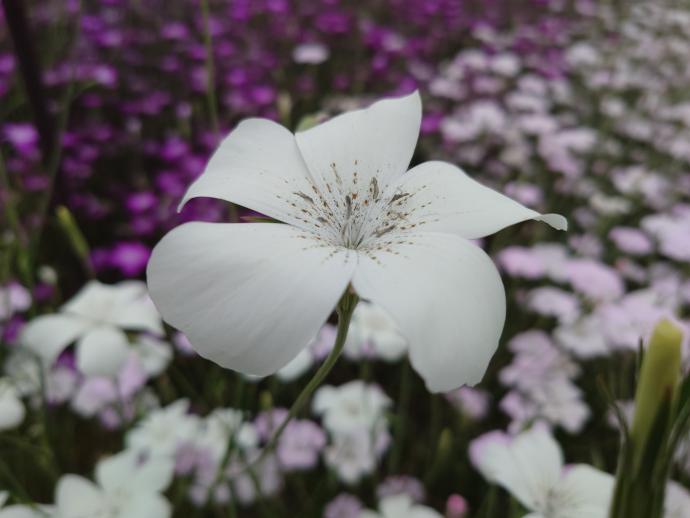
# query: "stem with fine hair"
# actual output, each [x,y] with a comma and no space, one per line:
[344,309]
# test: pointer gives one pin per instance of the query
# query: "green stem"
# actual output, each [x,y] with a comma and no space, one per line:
[345,308]
[401,418]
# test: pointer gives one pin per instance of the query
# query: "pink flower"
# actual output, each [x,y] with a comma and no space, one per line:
[631,240]
[456,506]
[594,279]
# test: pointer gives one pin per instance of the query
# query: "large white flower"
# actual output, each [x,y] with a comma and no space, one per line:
[126,488]
[95,318]
[530,467]
[251,296]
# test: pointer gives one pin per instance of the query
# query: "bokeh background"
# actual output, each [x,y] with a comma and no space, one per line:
[109,109]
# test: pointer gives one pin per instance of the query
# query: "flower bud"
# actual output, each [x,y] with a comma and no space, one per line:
[658,381]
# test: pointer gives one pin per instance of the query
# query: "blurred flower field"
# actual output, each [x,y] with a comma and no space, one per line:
[580,108]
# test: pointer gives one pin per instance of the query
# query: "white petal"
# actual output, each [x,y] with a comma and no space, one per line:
[125,470]
[25,511]
[77,497]
[529,465]
[257,166]
[155,474]
[91,300]
[12,409]
[153,354]
[677,504]
[297,366]
[447,299]
[102,351]
[378,141]
[125,305]
[248,296]
[146,506]
[139,314]
[116,471]
[461,205]
[585,492]
[48,335]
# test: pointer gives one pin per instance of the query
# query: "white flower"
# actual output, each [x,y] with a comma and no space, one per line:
[217,429]
[12,409]
[163,430]
[354,452]
[353,405]
[310,53]
[24,371]
[23,511]
[530,467]
[677,504]
[251,296]
[375,334]
[583,337]
[126,488]
[353,414]
[95,318]
[400,506]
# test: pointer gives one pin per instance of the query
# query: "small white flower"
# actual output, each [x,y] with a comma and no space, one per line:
[583,337]
[23,511]
[217,429]
[310,53]
[126,488]
[251,296]
[24,371]
[12,409]
[95,318]
[530,467]
[677,504]
[354,452]
[375,334]
[163,430]
[400,506]
[354,405]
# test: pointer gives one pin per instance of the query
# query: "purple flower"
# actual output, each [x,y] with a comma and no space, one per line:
[130,258]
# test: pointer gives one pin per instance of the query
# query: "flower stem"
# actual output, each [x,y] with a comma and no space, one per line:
[344,309]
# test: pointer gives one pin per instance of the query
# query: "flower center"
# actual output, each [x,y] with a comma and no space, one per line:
[355,216]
